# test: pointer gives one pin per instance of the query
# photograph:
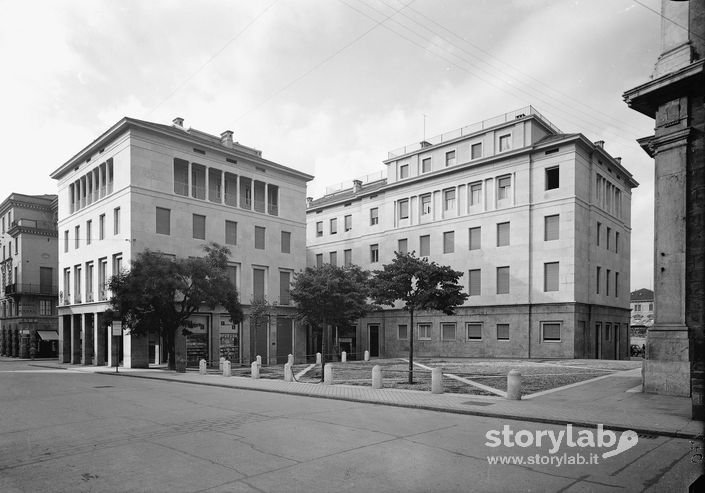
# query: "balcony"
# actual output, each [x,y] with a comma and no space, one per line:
[18,289]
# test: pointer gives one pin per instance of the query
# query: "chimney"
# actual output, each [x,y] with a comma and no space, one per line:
[178,122]
[357,185]
[226,138]
[600,144]
[309,201]
[618,159]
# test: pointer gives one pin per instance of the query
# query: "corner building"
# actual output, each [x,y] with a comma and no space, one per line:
[143,185]
[537,221]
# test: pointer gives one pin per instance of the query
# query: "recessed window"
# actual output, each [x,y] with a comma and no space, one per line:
[425,204]
[476,151]
[230,233]
[475,238]
[447,331]
[450,158]
[550,227]
[259,237]
[284,287]
[608,237]
[163,226]
[552,178]
[334,226]
[476,194]
[333,259]
[616,242]
[319,228]
[474,331]
[551,331]
[180,177]
[402,332]
[599,232]
[89,231]
[198,181]
[77,237]
[425,245]
[403,246]
[503,280]
[502,234]
[374,253]
[502,332]
[475,282]
[348,222]
[616,284]
[449,242]
[347,257]
[505,142]
[449,200]
[504,187]
[403,209]
[319,259]
[598,278]
[116,221]
[550,276]
[199,227]
[424,332]
[426,165]
[607,282]
[101,227]
[374,216]
[403,171]
[286,242]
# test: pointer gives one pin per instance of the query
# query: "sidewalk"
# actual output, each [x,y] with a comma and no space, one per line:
[610,400]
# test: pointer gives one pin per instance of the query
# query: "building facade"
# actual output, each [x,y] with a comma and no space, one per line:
[537,221]
[142,185]
[28,269]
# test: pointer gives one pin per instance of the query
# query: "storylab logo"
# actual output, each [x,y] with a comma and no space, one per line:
[564,446]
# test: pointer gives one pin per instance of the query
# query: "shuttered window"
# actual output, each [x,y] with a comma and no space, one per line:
[475,276]
[449,242]
[258,284]
[230,233]
[163,221]
[474,331]
[425,246]
[550,276]
[502,234]
[502,332]
[551,331]
[286,242]
[551,230]
[199,227]
[475,238]
[502,280]
[259,237]
[448,332]
[284,287]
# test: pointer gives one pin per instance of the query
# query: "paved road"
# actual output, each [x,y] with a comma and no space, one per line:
[62,430]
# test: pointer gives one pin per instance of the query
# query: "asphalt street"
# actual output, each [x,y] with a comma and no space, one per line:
[68,431]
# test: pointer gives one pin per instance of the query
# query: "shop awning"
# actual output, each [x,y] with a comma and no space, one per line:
[48,335]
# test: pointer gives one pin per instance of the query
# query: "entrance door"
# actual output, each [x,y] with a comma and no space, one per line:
[598,340]
[258,341]
[285,339]
[374,340]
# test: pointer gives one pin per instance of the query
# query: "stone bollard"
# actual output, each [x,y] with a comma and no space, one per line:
[202,367]
[328,374]
[437,381]
[227,369]
[343,357]
[377,382]
[220,364]
[290,359]
[259,360]
[288,373]
[318,358]
[254,370]
[367,355]
[514,385]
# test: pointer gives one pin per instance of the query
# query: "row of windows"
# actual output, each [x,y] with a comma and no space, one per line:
[9,249]
[609,241]
[91,187]
[474,331]
[84,278]
[44,307]
[88,238]
[638,307]
[610,289]
[608,196]
[223,187]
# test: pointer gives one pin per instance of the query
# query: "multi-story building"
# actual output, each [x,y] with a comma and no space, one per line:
[28,292]
[641,303]
[537,221]
[143,185]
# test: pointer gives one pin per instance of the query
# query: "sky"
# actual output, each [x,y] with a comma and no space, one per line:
[327,87]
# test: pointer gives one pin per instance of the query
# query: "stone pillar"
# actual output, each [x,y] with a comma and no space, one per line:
[76,339]
[328,374]
[318,358]
[254,370]
[514,385]
[88,340]
[64,339]
[290,360]
[99,340]
[367,355]
[344,357]
[202,370]
[437,381]
[227,369]
[288,373]
[377,382]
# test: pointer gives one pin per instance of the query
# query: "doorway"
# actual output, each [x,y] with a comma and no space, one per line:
[373,330]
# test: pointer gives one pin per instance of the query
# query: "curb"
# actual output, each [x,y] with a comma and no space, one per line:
[469,412]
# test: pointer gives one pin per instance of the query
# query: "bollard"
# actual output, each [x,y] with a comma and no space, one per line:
[255,370]
[220,365]
[227,369]
[202,367]
[328,374]
[259,360]
[367,355]
[377,382]
[343,357]
[318,358]
[437,381]
[290,359]
[514,385]
[288,374]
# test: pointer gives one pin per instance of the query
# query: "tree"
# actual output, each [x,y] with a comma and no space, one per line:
[420,285]
[159,294]
[328,296]
[260,312]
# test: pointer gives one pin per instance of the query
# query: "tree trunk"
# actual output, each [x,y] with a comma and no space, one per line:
[170,341]
[411,348]
[324,346]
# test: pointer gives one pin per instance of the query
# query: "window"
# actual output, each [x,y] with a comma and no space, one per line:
[551,231]
[258,279]
[89,281]
[215,190]
[505,142]
[504,187]
[597,280]
[45,307]
[424,332]
[449,242]
[259,190]
[374,216]
[77,237]
[180,176]
[403,209]
[273,200]
[607,282]
[616,284]
[333,256]
[286,241]
[102,278]
[550,276]
[637,307]
[259,237]
[474,331]
[608,234]
[403,171]
[334,226]
[425,204]
[319,228]
[374,253]
[475,282]
[651,307]
[101,227]
[402,332]
[231,271]
[426,165]
[347,257]
[117,263]
[77,284]
[599,232]
[425,245]
[163,226]
[551,331]
[476,151]
[319,259]
[67,285]
[245,193]
[450,158]
[230,189]
[502,332]
[502,234]
[116,221]
[284,287]
[449,200]
[502,280]
[198,181]
[447,331]
[348,222]
[230,232]
[199,227]
[552,178]
[475,193]
[608,331]
[616,242]
[475,238]
[66,241]
[403,246]
[89,231]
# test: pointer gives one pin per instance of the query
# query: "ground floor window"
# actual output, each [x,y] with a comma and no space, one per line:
[551,331]
[474,331]
[403,332]
[448,331]
[502,332]
[424,332]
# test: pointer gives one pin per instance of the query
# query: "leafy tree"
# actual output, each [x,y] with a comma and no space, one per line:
[159,294]
[420,285]
[260,312]
[328,296]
